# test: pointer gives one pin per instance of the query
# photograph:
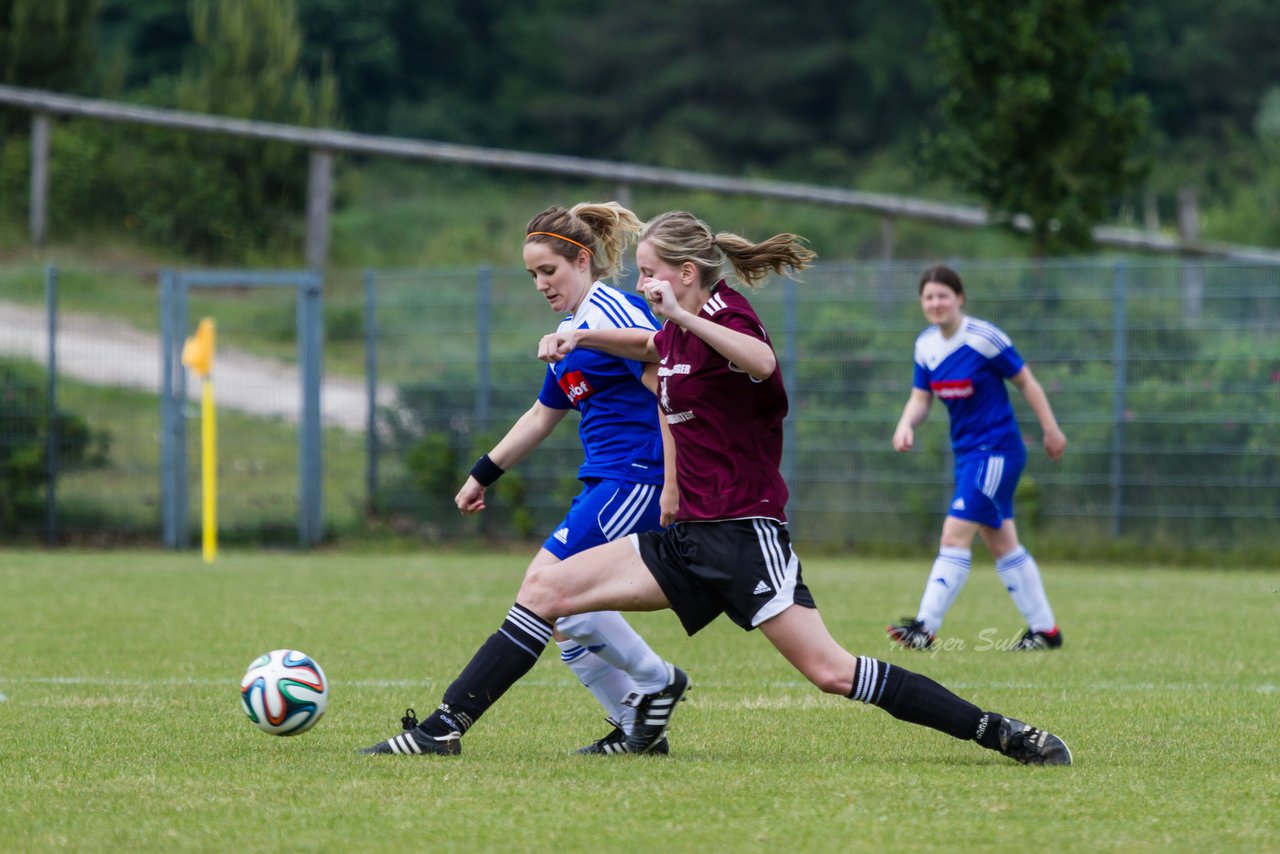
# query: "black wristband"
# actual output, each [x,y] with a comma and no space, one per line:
[486,471]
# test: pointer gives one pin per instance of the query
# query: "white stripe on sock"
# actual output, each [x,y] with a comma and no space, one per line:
[536,628]
[868,673]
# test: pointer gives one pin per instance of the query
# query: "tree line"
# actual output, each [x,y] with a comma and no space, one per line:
[1063,109]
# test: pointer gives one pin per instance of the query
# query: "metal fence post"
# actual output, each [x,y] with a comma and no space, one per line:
[1120,356]
[41,129]
[166,426]
[52,433]
[371,385]
[1192,270]
[181,491]
[484,308]
[319,206]
[310,461]
[624,194]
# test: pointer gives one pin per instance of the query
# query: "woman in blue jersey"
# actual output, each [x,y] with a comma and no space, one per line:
[965,362]
[568,252]
[729,551]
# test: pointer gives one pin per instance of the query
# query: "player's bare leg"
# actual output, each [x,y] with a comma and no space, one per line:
[801,636]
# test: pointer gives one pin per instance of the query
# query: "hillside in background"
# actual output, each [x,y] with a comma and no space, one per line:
[840,94]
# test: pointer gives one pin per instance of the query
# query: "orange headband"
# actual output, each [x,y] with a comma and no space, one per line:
[562,237]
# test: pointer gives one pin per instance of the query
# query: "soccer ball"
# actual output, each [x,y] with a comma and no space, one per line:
[284,692]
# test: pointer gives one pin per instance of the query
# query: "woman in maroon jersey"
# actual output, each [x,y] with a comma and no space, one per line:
[721,396]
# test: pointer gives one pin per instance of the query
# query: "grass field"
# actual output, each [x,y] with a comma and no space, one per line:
[258,465]
[120,726]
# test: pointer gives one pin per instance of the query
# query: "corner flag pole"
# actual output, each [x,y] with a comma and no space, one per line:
[209,470]
[197,354]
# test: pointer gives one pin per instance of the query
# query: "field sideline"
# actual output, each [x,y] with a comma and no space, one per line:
[120,726]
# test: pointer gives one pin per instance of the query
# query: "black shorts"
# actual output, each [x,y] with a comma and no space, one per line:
[741,567]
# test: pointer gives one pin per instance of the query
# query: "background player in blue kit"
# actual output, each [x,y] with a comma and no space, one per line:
[965,362]
[568,252]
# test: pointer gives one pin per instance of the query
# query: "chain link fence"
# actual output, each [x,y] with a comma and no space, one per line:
[1165,376]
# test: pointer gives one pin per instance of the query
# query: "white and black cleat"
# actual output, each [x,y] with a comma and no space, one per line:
[615,743]
[415,742]
[1032,746]
[653,712]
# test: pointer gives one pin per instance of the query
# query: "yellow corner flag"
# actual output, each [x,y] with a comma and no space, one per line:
[197,354]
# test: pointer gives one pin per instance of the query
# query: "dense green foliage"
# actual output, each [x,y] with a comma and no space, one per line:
[801,89]
[1037,77]
[47,44]
[207,196]
[473,71]
[1205,65]
[833,93]
[26,426]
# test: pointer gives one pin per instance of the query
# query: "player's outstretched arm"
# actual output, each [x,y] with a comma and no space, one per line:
[527,433]
[913,415]
[752,355]
[626,343]
[1055,441]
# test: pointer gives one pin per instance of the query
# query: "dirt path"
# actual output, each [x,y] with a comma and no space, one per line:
[104,351]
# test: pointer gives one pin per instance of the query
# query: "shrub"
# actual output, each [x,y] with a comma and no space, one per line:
[25,424]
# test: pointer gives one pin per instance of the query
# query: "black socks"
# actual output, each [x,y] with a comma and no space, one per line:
[918,699]
[505,657]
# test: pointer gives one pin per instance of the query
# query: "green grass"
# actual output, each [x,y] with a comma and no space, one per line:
[257,465]
[396,214]
[120,727]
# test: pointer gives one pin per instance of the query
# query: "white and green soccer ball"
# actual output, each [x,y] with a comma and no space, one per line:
[284,692]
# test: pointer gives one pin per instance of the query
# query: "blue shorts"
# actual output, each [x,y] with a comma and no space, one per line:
[603,511]
[985,483]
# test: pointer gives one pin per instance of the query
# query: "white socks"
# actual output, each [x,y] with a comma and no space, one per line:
[946,580]
[606,683]
[608,641]
[1021,577]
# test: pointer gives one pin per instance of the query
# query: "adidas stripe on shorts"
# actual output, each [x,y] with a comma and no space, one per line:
[985,483]
[743,568]
[605,510]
